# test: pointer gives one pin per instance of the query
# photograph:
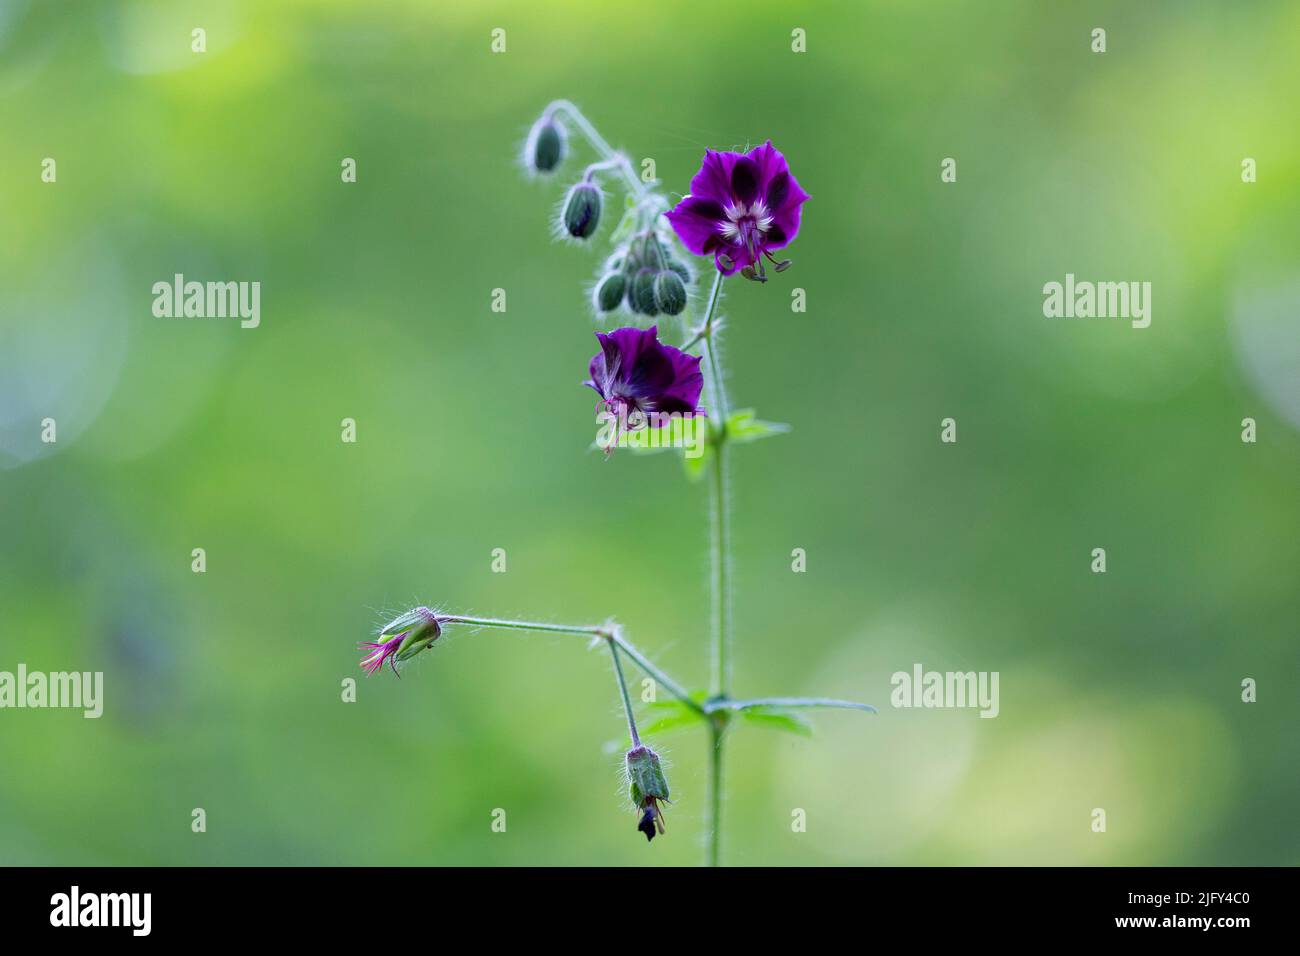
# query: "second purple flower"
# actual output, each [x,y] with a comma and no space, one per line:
[635,373]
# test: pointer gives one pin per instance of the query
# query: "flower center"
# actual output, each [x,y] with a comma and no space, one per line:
[744,222]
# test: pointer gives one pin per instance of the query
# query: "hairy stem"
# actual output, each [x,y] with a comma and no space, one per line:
[599,144]
[714,857]
[627,701]
[720,555]
[720,561]
[609,632]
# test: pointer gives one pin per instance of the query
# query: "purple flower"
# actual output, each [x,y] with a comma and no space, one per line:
[634,372]
[741,206]
[383,651]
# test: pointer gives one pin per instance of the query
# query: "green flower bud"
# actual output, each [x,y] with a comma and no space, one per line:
[617,260]
[581,213]
[609,292]
[670,293]
[682,269]
[647,786]
[641,295]
[545,148]
[422,628]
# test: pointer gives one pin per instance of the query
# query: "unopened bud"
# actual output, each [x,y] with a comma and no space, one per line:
[641,296]
[582,210]
[609,292]
[545,148]
[670,293]
[682,269]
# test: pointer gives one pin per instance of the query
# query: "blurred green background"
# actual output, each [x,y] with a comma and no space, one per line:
[1119,691]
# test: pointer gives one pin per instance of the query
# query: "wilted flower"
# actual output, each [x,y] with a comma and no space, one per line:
[407,634]
[647,787]
[741,206]
[634,372]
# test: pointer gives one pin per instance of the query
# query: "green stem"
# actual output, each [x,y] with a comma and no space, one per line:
[715,794]
[720,544]
[610,632]
[599,144]
[720,560]
[627,700]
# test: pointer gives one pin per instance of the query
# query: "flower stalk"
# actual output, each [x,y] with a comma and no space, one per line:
[741,207]
[720,566]
[627,700]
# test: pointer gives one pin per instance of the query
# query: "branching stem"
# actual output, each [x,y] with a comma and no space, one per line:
[610,632]
[599,144]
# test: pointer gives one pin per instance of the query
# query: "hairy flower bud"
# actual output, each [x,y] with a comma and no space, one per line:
[641,295]
[609,292]
[581,213]
[617,260]
[407,635]
[647,786]
[682,269]
[545,148]
[670,293]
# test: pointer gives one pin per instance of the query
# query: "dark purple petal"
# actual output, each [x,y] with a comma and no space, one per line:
[777,190]
[683,394]
[785,225]
[634,366]
[770,163]
[713,181]
[695,220]
[651,371]
[745,180]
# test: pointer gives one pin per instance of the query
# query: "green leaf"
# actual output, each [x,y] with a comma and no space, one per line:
[695,438]
[787,703]
[673,714]
[698,438]
[743,426]
[777,720]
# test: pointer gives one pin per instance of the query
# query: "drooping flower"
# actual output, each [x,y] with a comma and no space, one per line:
[741,207]
[407,635]
[647,788]
[635,373]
